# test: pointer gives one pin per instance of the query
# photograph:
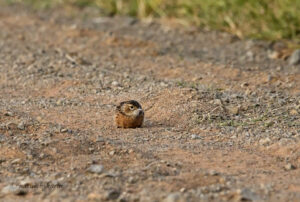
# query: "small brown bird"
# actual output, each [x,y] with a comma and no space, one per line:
[129,114]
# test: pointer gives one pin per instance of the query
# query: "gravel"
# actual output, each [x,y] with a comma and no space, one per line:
[221,115]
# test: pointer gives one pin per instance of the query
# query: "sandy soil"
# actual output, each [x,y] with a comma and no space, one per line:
[222,117]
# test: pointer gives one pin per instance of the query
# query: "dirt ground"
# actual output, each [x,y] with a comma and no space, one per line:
[222,115]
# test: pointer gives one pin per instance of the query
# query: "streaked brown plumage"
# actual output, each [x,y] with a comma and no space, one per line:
[129,114]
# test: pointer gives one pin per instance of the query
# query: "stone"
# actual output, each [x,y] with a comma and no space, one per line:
[264,141]
[98,169]
[217,102]
[59,102]
[279,68]
[55,193]
[115,83]
[213,173]
[132,180]
[293,112]
[234,110]
[194,136]
[289,166]
[11,125]
[246,194]
[15,161]
[250,55]
[100,139]
[27,182]
[21,126]
[295,58]
[239,129]
[13,189]
[8,114]
[95,197]
[269,123]
[182,189]
[174,197]
[273,54]
[64,130]
[244,84]
[112,194]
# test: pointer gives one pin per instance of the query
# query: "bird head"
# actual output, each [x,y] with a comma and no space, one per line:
[131,108]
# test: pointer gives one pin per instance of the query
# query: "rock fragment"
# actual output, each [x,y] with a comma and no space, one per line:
[98,169]
[295,58]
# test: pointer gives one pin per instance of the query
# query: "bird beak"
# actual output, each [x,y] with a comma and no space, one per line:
[140,111]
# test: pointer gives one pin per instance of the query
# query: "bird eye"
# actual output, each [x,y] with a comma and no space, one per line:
[131,107]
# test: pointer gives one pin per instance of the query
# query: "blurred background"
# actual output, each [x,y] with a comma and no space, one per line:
[261,19]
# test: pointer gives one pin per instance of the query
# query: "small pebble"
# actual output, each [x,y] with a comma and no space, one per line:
[278,68]
[16,161]
[100,139]
[289,166]
[194,136]
[27,182]
[174,197]
[115,83]
[234,110]
[13,189]
[264,141]
[182,189]
[246,194]
[295,58]
[245,84]
[64,130]
[293,112]
[213,173]
[112,194]
[8,114]
[21,126]
[95,197]
[98,169]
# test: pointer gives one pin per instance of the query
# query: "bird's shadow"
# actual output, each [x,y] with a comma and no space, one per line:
[155,124]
